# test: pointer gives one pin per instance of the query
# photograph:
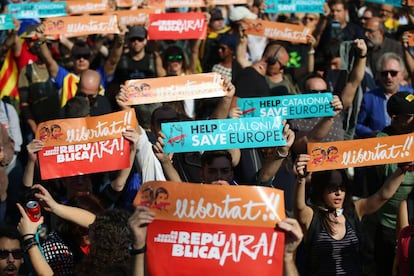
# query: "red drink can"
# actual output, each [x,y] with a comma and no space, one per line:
[33,210]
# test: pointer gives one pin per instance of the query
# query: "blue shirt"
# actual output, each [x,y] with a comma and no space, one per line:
[373,116]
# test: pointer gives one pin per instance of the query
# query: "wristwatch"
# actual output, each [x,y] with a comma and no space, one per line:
[134,251]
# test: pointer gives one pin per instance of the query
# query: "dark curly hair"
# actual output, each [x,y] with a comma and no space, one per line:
[110,236]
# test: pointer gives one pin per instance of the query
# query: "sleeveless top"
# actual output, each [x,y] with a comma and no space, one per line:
[335,257]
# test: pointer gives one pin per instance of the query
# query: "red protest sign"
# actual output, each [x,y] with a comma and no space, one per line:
[84,145]
[177,26]
[213,229]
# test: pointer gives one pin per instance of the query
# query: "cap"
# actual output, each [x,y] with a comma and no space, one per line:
[137,31]
[401,103]
[240,13]
[216,14]
[229,40]
[30,31]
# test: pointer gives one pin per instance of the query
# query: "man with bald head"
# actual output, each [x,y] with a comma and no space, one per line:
[258,79]
[378,44]
[88,86]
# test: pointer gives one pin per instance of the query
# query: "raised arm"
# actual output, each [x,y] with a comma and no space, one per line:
[138,222]
[275,159]
[77,215]
[32,148]
[303,212]
[166,160]
[115,53]
[28,229]
[357,74]
[371,204]
[223,108]
[51,64]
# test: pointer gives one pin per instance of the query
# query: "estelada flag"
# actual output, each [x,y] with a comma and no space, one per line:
[177,26]
[8,78]
[218,230]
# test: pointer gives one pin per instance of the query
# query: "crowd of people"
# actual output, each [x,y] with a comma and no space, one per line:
[349,219]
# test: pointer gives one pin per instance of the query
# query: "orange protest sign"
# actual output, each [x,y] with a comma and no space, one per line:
[132,17]
[72,26]
[124,3]
[410,3]
[177,26]
[225,230]
[84,145]
[184,3]
[361,152]
[86,129]
[168,89]
[276,30]
[226,2]
[85,7]
[411,40]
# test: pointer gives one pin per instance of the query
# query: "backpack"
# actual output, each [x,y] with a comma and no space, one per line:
[405,242]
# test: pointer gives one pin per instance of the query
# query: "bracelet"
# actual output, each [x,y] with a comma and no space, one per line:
[279,155]
[363,56]
[28,235]
[311,52]
[29,243]
[134,251]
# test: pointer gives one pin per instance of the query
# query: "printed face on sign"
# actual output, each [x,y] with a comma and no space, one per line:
[318,156]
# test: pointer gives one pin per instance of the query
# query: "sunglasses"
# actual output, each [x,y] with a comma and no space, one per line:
[365,18]
[272,61]
[315,91]
[175,58]
[84,56]
[335,188]
[17,254]
[133,39]
[393,73]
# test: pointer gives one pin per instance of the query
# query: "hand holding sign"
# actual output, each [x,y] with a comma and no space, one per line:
[300,165]
[138,222]
[337,105]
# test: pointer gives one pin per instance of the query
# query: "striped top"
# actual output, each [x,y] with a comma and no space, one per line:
[335,257]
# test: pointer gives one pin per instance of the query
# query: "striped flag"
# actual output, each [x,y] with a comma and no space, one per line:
[9,76]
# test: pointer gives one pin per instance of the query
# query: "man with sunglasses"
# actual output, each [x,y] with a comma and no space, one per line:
[11,253]
[373,117]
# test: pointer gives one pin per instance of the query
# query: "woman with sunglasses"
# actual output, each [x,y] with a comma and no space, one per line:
[176,63]
[331,223]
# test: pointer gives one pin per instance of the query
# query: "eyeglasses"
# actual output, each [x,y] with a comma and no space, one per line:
[84,56]
[393,73]
[133,39]
[335,188]
[315,91]
[17,254]
[173,58]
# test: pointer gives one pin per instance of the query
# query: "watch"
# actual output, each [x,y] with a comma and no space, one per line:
[134,251]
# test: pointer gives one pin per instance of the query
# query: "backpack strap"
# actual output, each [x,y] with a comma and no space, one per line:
[29,72]
[313,231]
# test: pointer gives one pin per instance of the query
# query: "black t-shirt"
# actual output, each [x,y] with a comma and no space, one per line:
[129,69]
